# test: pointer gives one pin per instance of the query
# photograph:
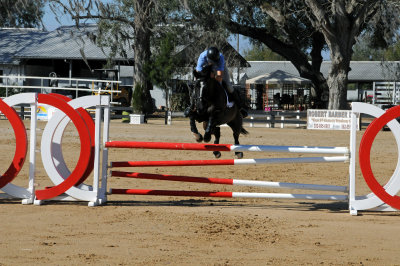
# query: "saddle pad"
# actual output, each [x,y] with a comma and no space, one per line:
[228,103]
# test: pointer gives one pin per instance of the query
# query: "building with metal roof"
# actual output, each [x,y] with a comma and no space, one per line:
[69,43]
[13,41]
[362,78]
[68,51]
[361,71]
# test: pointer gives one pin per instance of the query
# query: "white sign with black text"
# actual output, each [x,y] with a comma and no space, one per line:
[329,119]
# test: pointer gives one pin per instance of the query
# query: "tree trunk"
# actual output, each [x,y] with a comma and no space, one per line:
[319,91]
[337,82]
[142,53]
[340,52]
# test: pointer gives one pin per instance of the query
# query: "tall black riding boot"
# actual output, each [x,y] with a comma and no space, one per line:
[238,101]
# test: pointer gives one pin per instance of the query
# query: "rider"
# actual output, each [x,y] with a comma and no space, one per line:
[213,57]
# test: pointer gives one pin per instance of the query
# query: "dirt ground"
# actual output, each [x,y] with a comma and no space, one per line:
[158,230]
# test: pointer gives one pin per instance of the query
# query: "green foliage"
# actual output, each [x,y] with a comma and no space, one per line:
[137,99]
[393,52]
[21,13]
[179,101]
[163,62]
[363,52]
[260,52]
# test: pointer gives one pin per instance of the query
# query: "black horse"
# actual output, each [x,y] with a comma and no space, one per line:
[209,105]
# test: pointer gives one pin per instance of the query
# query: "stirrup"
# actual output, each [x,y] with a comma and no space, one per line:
[186,112]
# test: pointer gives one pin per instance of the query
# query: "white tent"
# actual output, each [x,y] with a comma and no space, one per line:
[278,77]
[275,88]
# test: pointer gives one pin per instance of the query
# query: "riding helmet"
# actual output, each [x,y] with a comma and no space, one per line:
[213,54]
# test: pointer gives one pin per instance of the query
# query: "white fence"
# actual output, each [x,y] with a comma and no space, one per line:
[47,84]
[386,93]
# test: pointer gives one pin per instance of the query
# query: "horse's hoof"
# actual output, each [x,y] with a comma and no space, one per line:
[207,138]
[217,154]
[198,137]
[239,155]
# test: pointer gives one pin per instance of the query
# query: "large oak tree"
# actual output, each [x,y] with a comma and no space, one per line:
[299,30]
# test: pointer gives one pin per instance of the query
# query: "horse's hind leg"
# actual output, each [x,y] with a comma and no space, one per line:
[217,134]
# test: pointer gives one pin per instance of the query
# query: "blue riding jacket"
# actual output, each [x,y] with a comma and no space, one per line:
[203,61]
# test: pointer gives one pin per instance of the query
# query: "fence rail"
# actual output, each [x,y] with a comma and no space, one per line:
[271,118]
[262,119]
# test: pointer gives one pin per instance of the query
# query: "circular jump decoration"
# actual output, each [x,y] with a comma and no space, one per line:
[52,157]
[84,156]
[365,156]
[56,150]
[21,144]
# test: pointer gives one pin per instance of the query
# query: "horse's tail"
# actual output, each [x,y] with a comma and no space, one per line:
[244,131]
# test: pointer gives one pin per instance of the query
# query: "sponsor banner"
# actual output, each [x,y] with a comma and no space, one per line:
[45,112]
[329,119]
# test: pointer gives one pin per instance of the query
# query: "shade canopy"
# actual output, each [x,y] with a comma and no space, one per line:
[278,77]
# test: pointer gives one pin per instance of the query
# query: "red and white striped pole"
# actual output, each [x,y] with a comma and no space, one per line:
[181,193]
[224,147]
[226,181]
[328,159]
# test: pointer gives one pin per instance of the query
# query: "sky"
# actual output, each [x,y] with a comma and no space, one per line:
[50,22]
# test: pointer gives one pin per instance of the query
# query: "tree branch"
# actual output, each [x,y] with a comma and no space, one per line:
[321,20]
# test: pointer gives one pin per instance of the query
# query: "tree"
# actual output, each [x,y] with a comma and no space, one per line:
[139,25]
[260,52]
[21,13]
[124,23]
[163,65]
[362,51]
[121,22]
[392,53]
[299,30]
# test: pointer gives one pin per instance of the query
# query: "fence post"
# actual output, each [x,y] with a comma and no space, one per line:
[272,120]
[168,117]
[282,119]
[22,112]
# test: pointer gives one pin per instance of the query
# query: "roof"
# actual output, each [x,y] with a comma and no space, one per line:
[66,42]
[360,70]
[278,77]
[13,41]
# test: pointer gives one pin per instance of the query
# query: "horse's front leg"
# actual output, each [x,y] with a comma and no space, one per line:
[217,134]
[193,128]
[208,129]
